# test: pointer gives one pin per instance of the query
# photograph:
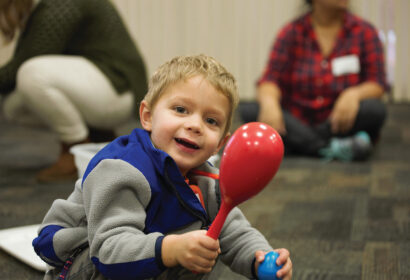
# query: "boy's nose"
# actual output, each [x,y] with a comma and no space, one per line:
[194,124]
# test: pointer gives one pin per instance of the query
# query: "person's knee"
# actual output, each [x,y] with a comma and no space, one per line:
[248,111]
[374,109]
[31,74]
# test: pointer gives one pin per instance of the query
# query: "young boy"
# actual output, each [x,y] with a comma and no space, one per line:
[145,201]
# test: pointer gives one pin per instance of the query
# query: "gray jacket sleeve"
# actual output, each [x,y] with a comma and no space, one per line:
[68,214]
[239,241]
[115,197]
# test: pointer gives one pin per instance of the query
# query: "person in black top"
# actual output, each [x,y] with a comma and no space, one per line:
[75,67]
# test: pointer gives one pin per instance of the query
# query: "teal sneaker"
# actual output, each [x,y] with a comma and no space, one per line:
[356,147]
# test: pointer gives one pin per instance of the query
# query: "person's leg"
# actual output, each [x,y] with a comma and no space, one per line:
[79,268]
[70,93]
[370,118]
[15,111]
[299,139]
[248,111]
[83,268]
[357,143]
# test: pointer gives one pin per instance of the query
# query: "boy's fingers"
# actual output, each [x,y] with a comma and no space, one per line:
[286,269]
[210,244]
[260,256]
[207,254]
[205,263]
[283,256]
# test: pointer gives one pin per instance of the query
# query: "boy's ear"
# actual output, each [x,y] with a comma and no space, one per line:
[145,115]
[223,142]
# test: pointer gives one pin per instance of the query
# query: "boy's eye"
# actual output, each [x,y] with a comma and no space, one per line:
[180,109]
[211,121]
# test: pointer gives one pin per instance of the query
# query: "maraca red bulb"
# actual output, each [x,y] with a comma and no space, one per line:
[250,159]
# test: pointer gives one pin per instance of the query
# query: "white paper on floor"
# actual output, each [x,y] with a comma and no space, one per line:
[17,242]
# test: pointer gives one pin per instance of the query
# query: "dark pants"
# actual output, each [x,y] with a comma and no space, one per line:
[308,140]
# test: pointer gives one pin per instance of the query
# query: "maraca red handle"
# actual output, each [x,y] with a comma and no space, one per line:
[216,227]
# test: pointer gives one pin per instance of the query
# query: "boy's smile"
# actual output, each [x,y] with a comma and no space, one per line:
[188,122]
[186,144]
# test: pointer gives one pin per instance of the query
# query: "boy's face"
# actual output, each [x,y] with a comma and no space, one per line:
[188,122]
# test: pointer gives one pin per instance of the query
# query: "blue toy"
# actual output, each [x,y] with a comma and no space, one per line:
[268,268]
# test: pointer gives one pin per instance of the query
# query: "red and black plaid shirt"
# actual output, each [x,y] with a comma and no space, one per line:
[304,75]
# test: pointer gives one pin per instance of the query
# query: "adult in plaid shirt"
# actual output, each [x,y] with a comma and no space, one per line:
[322,86]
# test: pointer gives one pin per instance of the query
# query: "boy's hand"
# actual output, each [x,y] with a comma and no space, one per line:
[285,273]
[193,250]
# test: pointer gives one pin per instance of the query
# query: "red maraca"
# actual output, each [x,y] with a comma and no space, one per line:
[249,161]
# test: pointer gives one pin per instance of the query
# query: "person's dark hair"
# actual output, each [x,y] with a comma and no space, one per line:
[309,2]
[13,16]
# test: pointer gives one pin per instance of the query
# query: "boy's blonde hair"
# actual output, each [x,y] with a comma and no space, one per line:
[182,68]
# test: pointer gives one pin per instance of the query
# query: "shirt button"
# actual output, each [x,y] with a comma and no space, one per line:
[319,99]
[324,63]
[319,82]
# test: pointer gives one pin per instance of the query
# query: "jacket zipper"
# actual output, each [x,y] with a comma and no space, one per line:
[205,221]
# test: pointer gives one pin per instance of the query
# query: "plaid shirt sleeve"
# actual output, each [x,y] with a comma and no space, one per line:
[373,66]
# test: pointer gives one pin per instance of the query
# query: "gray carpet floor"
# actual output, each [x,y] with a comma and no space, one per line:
[338,220]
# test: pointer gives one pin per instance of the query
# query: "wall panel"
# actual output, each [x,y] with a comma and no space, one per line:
[239,33]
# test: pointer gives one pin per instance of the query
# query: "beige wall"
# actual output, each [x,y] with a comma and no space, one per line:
[239,33]
[402,55]
[392,15]
[236,32]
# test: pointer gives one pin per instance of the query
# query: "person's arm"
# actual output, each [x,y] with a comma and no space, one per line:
[61,230]
[374,83]
[270,110]
[239,242]
[115,196]
[268,92]
[49,28]
[347,105]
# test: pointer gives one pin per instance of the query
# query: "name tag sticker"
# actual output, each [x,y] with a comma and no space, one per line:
[348,64]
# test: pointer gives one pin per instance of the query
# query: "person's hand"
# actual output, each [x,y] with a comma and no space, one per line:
[272,115]
[193,250]
[345,111]
[285,273]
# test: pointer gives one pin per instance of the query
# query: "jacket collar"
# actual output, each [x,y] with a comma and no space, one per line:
[159,158]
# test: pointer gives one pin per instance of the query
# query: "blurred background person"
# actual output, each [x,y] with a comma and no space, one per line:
[75,67]
[323,84]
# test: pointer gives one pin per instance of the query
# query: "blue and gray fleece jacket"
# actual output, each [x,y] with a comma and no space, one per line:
[129,198]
